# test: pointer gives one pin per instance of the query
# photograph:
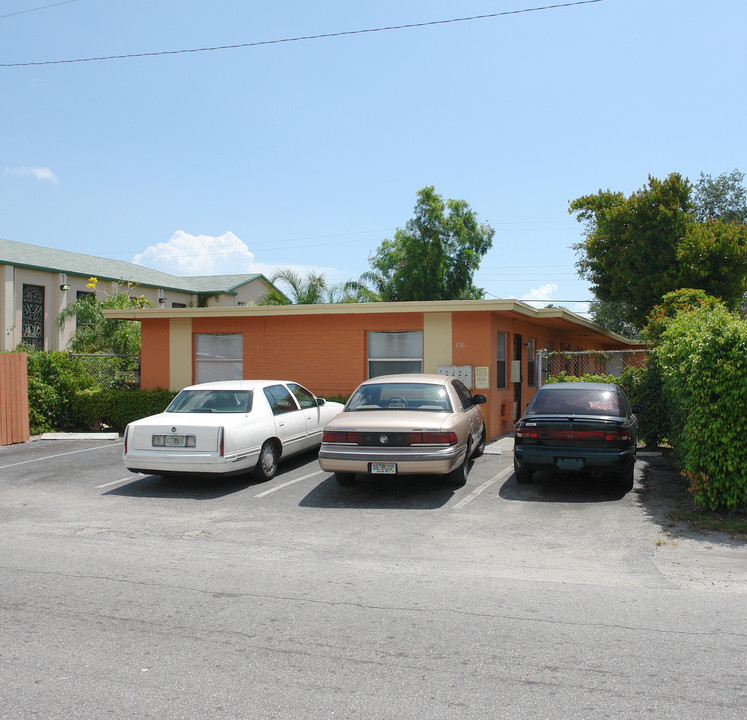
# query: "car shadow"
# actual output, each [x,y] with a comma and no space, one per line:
[184,488]
[200,487]
[552,487]
[407,492]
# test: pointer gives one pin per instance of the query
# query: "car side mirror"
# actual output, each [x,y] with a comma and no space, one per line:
[479,399]
[321,401]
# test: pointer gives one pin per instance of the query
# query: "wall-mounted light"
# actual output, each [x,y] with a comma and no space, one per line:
[63,282]
[161,298]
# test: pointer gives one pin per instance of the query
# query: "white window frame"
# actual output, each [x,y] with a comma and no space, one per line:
[394,358]
[219,360]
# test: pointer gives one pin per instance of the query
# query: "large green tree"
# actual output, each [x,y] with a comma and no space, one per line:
[434,257]
[661,238]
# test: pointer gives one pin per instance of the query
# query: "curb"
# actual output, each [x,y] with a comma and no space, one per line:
[79,436]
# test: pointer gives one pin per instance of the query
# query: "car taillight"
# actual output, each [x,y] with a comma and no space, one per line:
[126,437]
[221,442]
[526,433]
[618,435]
[340,436]
[432,438]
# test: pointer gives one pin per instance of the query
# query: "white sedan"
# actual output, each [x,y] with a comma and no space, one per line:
[225,428]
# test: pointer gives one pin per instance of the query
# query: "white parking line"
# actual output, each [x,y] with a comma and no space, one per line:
[290,482]
[117,482]
[502,474]
[50,457]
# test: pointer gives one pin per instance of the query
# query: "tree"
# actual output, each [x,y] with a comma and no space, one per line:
[95,333]
[721,199]
[309,290]
[610,314]
[641,247]
[435,256]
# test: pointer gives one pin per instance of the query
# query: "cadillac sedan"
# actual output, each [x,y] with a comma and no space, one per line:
[226,428]
[577,427]
[406,425]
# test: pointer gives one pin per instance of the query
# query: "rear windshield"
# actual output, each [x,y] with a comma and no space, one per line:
[211,401]
[399,396]
[575,402]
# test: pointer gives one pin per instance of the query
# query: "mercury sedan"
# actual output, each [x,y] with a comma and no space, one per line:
[406,425]
[226,428]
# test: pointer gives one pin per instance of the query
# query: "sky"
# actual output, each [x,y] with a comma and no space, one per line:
[308,153]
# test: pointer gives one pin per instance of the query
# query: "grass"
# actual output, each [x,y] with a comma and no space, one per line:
[733,524]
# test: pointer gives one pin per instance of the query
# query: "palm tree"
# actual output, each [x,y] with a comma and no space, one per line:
[298,290]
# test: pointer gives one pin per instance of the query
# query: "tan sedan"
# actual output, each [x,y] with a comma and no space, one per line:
[406,425]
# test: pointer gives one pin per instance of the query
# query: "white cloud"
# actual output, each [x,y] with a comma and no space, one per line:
[185,254]
[541,296]
[39,173]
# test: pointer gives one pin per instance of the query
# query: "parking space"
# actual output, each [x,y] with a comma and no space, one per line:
[205,597]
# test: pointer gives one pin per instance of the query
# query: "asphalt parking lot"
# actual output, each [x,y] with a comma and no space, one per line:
[138,596]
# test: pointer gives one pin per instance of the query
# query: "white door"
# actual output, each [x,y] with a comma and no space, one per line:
[290,420]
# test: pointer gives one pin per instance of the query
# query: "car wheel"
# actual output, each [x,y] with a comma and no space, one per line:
[345,478]
[523,475]
[267,465]
[480,447]
[458,476]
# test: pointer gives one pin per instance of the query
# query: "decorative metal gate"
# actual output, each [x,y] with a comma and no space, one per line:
[32,326]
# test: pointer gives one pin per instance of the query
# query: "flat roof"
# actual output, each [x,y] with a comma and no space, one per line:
[549,317]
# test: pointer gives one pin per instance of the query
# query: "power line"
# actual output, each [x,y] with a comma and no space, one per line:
[322,36]
[43,7]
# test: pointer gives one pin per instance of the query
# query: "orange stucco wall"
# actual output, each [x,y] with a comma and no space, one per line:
[154,354]
[326,354]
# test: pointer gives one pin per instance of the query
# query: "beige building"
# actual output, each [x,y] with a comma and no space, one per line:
[37,283]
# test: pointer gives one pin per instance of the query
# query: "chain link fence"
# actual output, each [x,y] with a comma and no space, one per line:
[112,371]
[587,362]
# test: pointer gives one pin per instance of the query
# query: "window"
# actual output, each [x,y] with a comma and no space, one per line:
[304,397]
[32,325]
[211,401]
[178,305]
[501,369]
[465,396]
[84,317]
[218,357]
[531,366]
[281,401]
[391,353]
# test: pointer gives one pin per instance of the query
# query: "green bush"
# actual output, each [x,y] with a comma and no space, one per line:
[703,358]
[53,380]
[642,386]
[95,409]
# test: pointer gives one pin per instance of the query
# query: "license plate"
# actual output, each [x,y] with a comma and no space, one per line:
[170,440]
[383,468]
[569,464]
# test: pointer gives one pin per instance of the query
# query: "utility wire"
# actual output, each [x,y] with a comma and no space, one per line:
[30,10]
[304,37]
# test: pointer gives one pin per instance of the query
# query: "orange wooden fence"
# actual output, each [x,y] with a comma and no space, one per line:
[14,399]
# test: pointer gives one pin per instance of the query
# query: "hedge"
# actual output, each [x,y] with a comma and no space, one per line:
[53,380]
[95,409]
[703,357]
